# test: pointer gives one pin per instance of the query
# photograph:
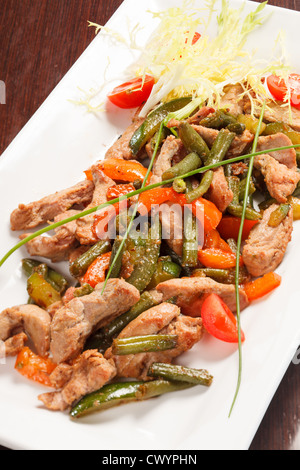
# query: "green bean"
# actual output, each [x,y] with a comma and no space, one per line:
[166,269]
[179,185]
[191,162]
[167,251]
[232,244]
[181,374]
[192,141]
[41,291]
[102,339]
[236,127]
[146,258]
[202,189]
[223,276]
[54,278]
[115,394]
[235,208]
[278,215]
[218,119]
[152,123]
[115,273]
[80,265]
[143,344]
[252,188]
[190,242]
[83,290]
[220,147]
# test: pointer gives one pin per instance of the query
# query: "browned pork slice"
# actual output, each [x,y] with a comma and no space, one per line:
[31,215]
[276,112]
[84,232]
[286,157]
[280,180]
[266,246]
[89,373]
[12,346]
[190,290]
[59,246]
[232,100]
[169,150]
[121,148]
[238,146]
[219,192]
[30,319]
[162,319]
[74,322]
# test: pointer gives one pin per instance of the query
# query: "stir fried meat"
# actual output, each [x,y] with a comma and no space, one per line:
[31,320]
[280,180]
[73,323]
[189,291]
[89,373]
[31,215]
[155,287]
[163,319]
[266,246]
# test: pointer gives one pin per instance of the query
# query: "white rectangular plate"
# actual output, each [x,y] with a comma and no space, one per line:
[51,153]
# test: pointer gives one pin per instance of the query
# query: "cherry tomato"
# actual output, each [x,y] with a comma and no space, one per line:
[133,93]
[219,321]
[279,88]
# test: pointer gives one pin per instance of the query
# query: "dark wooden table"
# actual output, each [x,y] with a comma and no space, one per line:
[40,40]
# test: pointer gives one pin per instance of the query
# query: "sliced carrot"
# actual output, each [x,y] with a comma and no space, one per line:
[96,273]
[213,240]
[34,367]
[217,259]
[262,286]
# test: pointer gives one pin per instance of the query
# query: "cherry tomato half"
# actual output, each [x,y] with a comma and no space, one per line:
[219,321]
[133,93]
[279,88]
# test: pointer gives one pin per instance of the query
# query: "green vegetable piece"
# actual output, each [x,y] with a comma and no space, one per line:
[278,215]
[166,269]
[112,395]
[220,147]
[180,373]
[202,189]
[152,123]
[191,162]
[143,344]
[192,141]
[54,278]
[41,292]
[83,290]
[219,119]
[190,242]
[80,266]
[115,273]
[251,123]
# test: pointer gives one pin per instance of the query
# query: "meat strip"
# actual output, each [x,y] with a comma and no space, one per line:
[30,319]
[59,246]
[238,146]
[89,373]
[266,246]
[169,150]
[280,180]
[31,215]
[162,319]
[190,290]
[286,157]
[232,100]
[84,232]
[74,322]
[12,346]
[219,192]
[121,148]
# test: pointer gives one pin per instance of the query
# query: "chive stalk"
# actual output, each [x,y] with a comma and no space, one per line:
[239,245]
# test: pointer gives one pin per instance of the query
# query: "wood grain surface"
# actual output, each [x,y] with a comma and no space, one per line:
[40,40]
